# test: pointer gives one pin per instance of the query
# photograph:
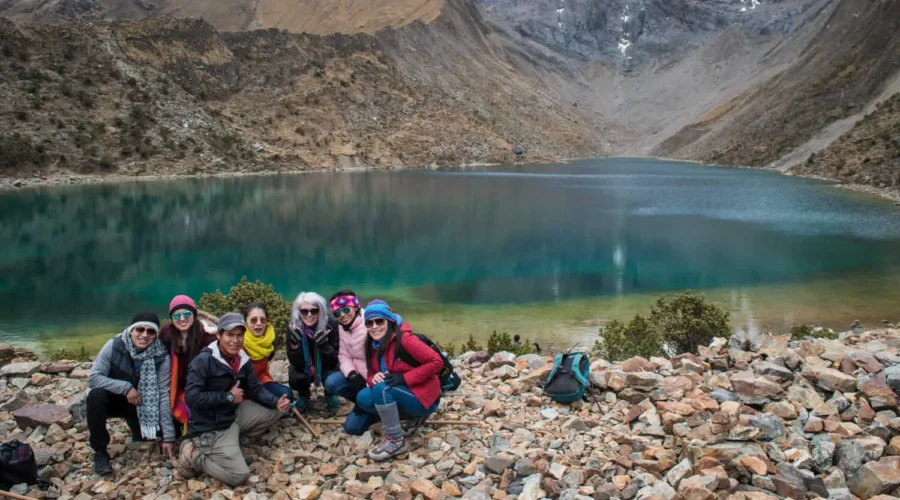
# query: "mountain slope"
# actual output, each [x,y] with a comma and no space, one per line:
[167,95]
[846,65]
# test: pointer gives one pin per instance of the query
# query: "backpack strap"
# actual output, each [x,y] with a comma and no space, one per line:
[556,363]
[400,353]
[576,369]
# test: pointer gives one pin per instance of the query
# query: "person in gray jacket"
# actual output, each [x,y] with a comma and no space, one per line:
[130,380]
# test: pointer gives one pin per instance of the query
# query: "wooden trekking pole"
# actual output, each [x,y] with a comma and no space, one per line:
[427,422]
[306,423]
[14,495]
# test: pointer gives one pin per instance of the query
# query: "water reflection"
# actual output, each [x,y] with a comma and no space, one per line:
[511,236]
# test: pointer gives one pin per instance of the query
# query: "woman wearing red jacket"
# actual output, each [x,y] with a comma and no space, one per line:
[395,387]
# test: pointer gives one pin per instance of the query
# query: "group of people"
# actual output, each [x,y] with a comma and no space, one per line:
[209,389]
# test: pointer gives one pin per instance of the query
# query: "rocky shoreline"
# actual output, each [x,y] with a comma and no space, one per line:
[746,419]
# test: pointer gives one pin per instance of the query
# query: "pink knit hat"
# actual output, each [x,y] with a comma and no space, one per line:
[182,302]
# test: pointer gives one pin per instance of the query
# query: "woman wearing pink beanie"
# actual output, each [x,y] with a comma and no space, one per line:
[183,337]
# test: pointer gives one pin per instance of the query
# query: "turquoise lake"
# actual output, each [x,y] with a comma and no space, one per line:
[548,251]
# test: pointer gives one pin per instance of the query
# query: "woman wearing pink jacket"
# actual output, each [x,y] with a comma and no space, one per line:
[351,378]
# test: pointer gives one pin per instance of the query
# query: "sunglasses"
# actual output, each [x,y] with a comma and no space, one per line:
[261,321]
[309,312]
[179,316]
[375,322]
[145,331]
[340,312]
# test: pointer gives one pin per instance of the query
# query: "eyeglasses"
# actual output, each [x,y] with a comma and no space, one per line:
[261,321]
[145,331]
[185,315]
[375,322]
[340,312]
[309,312]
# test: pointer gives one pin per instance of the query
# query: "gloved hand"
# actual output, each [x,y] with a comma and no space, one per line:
[295,337]
[355,382]
[394,379]
[321,337]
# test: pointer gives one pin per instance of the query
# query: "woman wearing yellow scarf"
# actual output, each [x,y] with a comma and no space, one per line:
[259,344]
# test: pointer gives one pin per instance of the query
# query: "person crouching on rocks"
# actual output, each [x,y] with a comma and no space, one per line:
[312,345]
[183,338]
[352,353]
[396,388]
[227,401]
[259,344]
[130,380]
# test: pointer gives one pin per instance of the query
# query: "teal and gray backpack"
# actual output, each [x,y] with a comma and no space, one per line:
[569,378]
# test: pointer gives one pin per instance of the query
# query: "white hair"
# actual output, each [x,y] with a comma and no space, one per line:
[314,299]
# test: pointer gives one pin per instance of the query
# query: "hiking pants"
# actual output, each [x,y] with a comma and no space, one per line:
[358,422]
[103,405]
[219,452]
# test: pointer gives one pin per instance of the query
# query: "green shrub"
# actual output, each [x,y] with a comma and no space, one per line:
[502,342]
[81,355]
[17,150]
[800,332]
[246,292]
[448,349]
[471,345]
[685,321]
[619,341]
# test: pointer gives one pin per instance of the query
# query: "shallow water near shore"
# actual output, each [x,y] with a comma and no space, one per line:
[550,252]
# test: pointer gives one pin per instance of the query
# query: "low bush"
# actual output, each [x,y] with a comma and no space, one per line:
[81,355]
[246,292]
[800,332]
[619,341]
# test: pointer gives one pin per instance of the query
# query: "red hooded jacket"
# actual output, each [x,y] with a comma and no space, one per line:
[421,380]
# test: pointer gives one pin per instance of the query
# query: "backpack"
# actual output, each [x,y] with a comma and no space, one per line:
[569,378]
[17,464]
[450,381]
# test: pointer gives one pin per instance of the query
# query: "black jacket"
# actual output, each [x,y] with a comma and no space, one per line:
[209,379]
[327,353]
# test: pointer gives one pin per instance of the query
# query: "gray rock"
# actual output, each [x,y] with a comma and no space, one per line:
[849,455]
[531,489]
[679,472]
[26,369]
[822,452]
[773,370]
[892,377]
[572,494]
[502,359]
[499,463]
[659,490]
[78,407]
[549,414]
[723,395]
[525,467]
[839,494]
[772,426]
[505,372]
[19,400]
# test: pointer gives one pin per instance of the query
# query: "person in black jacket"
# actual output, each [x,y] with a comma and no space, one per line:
[220,381]
[312,345]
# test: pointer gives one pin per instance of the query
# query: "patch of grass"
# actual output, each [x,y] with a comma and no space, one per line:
[81,355]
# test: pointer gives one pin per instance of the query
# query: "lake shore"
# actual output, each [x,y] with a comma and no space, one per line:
[65,178]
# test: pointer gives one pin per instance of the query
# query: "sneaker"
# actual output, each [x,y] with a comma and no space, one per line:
[184,463]
[388,448]
[102,466]
[332,403]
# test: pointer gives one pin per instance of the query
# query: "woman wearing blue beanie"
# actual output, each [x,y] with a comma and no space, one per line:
[402,380]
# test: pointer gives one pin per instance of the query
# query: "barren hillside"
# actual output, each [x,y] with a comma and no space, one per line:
[169,95]
[298,16]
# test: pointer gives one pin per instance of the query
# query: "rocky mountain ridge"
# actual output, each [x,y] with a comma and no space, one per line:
[746,418]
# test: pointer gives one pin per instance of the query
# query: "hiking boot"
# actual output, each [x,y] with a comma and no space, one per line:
[388,448]
[102,466]
[184,462]
[332,403]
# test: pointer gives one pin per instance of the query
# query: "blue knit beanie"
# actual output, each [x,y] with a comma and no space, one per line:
[380,309]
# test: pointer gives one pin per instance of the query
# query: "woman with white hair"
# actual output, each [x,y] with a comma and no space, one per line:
[312,348]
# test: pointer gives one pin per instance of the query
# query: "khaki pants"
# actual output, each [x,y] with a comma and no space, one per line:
[220,451]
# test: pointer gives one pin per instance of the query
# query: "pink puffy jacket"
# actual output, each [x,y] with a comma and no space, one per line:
[352,352]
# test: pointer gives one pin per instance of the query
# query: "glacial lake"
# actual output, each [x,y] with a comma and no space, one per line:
[550,252]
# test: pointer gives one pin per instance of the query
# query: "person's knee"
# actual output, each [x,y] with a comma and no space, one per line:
[353,428]
[97,397]
[335,382]
[380,394]
[237,477]
[365,400]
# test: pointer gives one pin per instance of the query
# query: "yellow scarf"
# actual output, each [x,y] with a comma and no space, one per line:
[260,347]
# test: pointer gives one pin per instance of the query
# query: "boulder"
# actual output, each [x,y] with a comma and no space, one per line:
[502,359]
[25,369]
[58,367]
[830,379]
[637,364]
[866,361]
[772,370]
[43,415]
[16,401]
[753,389]
[876,478]
[644,381]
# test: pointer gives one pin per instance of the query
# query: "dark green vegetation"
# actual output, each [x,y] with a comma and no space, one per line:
[677,324]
